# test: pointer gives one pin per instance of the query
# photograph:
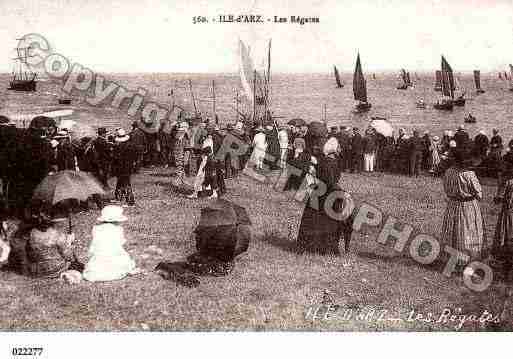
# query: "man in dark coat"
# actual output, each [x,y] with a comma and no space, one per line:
[481,144]
[415,154]
[65,152]
[462,138]
[138,141]
[356,151]
[124,159]
[344,140]
[102,156]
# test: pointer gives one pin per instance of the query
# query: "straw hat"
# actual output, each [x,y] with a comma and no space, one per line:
[331,146]
[182,126]
[54,143]
[269,128]
[112,213]
[121,136]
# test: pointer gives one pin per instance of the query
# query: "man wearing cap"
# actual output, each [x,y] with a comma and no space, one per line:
[103,156]
[344,140]
[481,144]
[462,138]
[415,154]
[356,151]
[165,140]
[123,167]
[138,140]
[259,148]
[66,159]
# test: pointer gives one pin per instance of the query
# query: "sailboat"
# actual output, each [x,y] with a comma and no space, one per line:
[500,76]
[405,76]
[477,81]
[447,82]
[360,88]
[337,77]
[438,80]
[460,100]
[23,80]
[511,77]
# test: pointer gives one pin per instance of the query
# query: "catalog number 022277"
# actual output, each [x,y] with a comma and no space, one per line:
[26,351]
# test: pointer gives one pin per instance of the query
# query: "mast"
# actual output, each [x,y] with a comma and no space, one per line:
[214,98]
[254,95]
[193,99]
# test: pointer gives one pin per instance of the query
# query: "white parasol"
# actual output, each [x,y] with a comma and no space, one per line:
[382,126]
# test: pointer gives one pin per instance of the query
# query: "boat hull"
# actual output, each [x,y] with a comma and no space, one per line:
[363,107]
[447,106]
[459,102]
[402,87]
[438,88]
[480,91]
[64,101]
[22,85]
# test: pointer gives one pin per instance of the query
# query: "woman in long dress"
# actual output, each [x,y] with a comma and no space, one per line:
[503,240]
[319,232]
[462,227]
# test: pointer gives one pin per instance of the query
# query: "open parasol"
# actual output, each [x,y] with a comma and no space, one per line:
[223,231]
[65,185]
[297,122]
[382,126]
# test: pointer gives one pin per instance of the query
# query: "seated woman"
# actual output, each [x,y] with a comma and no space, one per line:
[108,260]
[49,252]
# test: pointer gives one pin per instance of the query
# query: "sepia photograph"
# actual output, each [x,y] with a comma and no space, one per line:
[319,167]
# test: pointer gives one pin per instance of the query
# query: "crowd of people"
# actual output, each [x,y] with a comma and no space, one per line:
[192,146]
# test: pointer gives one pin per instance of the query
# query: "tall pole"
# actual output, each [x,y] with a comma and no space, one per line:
[254,95]
[193,100]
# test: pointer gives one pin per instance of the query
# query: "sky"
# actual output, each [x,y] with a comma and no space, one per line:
[159,35]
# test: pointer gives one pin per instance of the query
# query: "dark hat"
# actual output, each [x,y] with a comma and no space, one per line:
[135,124]
[102,131]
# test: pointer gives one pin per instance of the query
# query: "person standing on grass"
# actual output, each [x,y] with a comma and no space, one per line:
[369,150]
[259,148]
[502,249]
[462,227]
[344,141]
[180,141]
[124,158]
[356,151]
[319,232]
[415,154]
[283,138]
[138,140]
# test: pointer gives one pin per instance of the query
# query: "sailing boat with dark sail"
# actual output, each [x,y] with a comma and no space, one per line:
[360,88]
[438,80]
[337,77]
[405,76]
[23,79]
[477,81]
[511,77]
[447,82]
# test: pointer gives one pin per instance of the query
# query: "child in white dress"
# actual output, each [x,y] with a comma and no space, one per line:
[108,260]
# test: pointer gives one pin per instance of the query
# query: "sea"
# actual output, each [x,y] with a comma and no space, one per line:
[312,97]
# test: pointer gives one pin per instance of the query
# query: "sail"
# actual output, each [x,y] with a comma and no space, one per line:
[408,80]
[505,75]
[477,79]
[510,76]
[448,85]
[359,85]
[438,79]
[403,77]
[337,77]
[246,71]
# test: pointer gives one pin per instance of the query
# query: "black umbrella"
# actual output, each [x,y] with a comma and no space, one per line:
[297,122]
[223,231]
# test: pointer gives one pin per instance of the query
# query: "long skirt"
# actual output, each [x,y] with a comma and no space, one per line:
[462,228]
[319,233]
[503,239]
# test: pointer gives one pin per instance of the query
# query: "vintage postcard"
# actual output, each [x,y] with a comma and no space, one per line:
[248,166]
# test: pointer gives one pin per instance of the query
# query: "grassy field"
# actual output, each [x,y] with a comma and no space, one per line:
[271,287]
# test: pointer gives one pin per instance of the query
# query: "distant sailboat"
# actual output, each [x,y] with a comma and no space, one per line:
[23,78]
[460,100]
[438,80]
[511,77]
[405,76]
[374,76]
[447,84]
[337,77]
[360,88]
[477,81]
[500,76]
